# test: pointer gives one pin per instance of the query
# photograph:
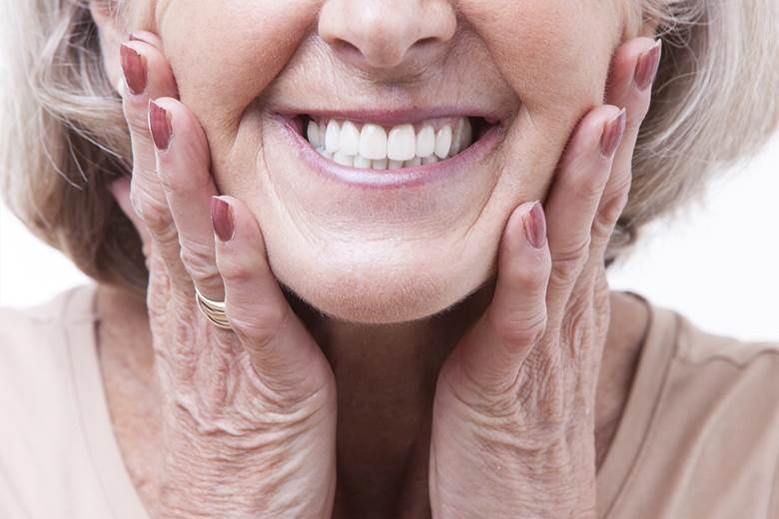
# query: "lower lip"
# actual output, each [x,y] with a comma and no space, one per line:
[393,178]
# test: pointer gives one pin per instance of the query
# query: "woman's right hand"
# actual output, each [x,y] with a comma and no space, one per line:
[248,415]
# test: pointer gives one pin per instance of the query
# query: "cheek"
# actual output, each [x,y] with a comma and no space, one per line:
[224,54]
[554,53]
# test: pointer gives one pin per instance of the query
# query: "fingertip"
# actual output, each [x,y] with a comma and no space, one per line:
[167,102]
[525,259]
[158,76]
[146,37]
[525,230]
[534,223]
[222,219]
[245,224]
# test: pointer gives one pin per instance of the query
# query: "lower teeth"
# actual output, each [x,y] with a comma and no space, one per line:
[361,162]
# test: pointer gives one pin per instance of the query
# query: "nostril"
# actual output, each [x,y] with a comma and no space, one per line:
[424,42]
[346,47]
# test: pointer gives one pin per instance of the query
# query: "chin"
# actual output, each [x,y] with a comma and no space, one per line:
[393,293]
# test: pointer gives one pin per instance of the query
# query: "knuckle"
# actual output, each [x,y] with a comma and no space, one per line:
[157,219]
[531,273]
[608,216]
[136,113]
[566,265]
[199,261]
[236,272]
[588,179]
[156,216]
[520,329]
[264,325]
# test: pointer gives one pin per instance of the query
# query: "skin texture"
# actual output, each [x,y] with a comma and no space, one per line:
[510,373]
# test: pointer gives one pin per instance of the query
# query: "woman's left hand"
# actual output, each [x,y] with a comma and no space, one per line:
[513,416]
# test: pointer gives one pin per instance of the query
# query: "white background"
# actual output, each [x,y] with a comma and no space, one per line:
[718,263]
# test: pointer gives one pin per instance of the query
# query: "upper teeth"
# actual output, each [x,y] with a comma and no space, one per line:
[371,146]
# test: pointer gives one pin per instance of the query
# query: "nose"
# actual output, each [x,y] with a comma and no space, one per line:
[385,34]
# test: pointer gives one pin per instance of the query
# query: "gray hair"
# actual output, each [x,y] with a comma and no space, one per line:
[63,138]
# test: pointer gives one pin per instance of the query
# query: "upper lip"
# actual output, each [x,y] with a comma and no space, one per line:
[392,117]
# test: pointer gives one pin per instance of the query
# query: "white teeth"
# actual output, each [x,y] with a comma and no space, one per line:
[350,139]
[333,136]
[443,141]
[371,146]
[315,137]
[401,143]
[466,137]
[373,142]
[425,142]
[457,131]
[362,162]
[461,136]
[343,159]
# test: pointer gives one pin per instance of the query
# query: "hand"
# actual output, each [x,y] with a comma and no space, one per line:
[513,415]
[248,415]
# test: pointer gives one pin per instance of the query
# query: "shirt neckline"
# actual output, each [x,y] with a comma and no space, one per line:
[640,409]
[106,459]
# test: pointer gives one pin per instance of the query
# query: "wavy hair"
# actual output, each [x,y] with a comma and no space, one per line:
[63,138]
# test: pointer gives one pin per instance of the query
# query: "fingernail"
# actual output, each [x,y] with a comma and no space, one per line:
[613,132]
[134,36]
[535,226]
[222,219]
[160,126]
[647,65]
[134,68]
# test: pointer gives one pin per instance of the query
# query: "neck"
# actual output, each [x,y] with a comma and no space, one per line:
[386,377]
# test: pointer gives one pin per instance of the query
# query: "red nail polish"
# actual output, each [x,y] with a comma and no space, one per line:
[160,126]
[647,65]
[222,219]
[613,132]
[535,226]
[134,68]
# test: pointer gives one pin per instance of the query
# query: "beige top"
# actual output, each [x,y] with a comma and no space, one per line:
[699,437]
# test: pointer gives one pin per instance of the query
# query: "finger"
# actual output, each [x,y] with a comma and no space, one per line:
[575,197]
[120,188]
[148,76]
[282,353]
[634,69]
[147,37]
[492,352]
[183,163]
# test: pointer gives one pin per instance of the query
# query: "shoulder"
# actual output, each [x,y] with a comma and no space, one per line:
[701,434]
[726,375]
[69,307]
[698,346]
[49,383]
[34,341]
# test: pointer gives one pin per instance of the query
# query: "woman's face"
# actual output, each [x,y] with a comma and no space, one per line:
[526,71]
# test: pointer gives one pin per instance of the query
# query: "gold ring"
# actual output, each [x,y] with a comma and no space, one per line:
[213,310]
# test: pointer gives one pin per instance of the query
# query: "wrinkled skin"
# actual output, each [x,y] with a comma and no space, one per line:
[253,410]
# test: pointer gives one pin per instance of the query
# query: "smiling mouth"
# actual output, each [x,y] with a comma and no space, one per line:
[367,145]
